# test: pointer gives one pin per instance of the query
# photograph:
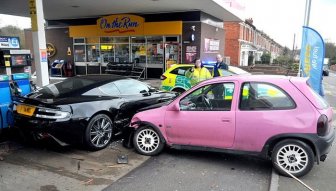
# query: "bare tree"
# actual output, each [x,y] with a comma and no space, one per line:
[11,30]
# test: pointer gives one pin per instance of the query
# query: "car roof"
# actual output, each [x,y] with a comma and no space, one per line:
[260,78]
[233,69]
[102,77]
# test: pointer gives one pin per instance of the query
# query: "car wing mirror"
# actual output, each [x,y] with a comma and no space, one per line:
[145,93]
[151,89]
[176,107]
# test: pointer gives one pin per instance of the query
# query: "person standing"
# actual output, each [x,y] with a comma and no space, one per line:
[198,73]
[219,65]
[218,91]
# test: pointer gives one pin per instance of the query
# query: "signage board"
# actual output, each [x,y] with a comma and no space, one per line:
[9,42]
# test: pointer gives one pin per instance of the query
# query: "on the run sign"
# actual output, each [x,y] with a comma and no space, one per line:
[121,24]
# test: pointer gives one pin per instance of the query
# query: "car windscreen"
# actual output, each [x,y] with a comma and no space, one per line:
[237,70]
[64,87]
[226,72]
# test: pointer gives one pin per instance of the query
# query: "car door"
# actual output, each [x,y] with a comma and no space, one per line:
[206,117]
[265,109]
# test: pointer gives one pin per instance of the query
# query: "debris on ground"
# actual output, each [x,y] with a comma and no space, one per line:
[88,181]
[115,144]
[122,159]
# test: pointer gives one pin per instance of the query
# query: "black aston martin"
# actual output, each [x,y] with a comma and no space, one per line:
[89,109]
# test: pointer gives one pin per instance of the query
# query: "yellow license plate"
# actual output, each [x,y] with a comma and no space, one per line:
[25,110]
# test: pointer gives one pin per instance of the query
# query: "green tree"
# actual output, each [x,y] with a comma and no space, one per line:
[285,59]
[265,58]
[330,52]
[286,52]
[11,30]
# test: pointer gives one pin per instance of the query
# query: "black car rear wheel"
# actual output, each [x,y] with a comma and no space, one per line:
[98,133]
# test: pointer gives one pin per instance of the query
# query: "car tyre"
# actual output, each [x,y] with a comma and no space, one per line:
[147,141]
[98,133]
[294,156]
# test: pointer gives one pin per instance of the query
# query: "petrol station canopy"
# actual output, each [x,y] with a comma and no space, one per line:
[73,9]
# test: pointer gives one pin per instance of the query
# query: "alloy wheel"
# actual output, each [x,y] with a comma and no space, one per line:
[148,140]
[292,158]
[101,132]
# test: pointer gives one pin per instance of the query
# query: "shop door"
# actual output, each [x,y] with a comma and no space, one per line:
[172,54]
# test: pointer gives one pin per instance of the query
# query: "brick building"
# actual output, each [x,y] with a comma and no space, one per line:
[245,44]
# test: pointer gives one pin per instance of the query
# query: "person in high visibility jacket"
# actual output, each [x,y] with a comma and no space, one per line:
[198,73]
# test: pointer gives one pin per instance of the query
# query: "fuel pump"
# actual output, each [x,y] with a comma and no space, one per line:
[15,72]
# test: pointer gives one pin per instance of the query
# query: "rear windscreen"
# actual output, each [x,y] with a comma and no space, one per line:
[64,87]
[319,100]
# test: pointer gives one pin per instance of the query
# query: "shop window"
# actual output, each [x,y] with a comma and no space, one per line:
[121,53]
[79,53]
[79,40]
[106,39]
[138,48]
[138,39]
[107,52]
[92,40]
[139,53]
[172,39]
[121,40]
[155,50]
[92,53]
[114,40]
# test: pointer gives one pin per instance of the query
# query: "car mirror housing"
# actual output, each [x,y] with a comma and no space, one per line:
[151,89]
[145,93]
[176,107]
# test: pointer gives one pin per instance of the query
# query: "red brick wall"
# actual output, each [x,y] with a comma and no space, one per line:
[232,48]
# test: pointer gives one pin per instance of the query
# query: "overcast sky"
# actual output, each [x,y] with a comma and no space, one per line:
[280,19]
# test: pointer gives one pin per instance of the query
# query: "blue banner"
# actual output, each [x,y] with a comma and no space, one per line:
[9,42]
[311,58]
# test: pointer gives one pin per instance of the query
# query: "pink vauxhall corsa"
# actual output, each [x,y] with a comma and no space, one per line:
[277,117]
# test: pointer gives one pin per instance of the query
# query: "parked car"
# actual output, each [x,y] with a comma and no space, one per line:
[325,70]
[88,109]
[279,118]
[174,79]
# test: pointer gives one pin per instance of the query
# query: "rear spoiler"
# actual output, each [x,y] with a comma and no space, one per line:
[32,101]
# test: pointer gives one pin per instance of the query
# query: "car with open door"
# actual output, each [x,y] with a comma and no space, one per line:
[279,118]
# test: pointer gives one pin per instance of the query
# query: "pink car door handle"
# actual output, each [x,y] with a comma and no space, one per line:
[225,120]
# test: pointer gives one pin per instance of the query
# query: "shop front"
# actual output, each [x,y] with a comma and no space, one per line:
[126,39]
[152,41]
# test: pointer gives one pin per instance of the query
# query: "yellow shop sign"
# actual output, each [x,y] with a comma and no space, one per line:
[121,24]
